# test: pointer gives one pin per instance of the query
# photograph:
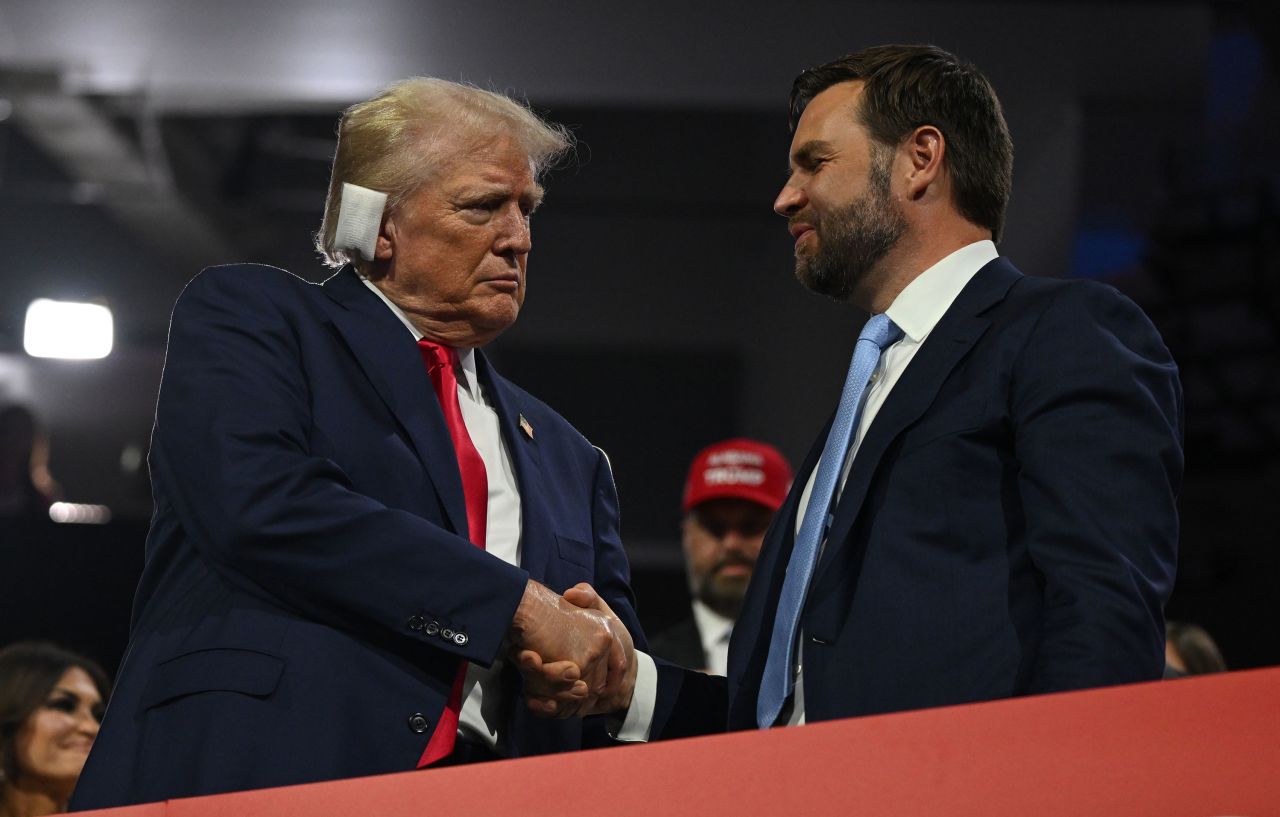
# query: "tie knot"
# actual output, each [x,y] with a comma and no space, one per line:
[437,355]
[880,330]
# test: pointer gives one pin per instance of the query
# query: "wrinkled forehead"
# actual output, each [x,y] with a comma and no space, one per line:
[490,148]
[496,162]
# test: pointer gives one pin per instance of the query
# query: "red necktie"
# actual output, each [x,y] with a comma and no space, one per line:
[442,366]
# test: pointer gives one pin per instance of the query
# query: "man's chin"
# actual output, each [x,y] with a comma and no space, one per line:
[726,592]
[496,315]
[823,283]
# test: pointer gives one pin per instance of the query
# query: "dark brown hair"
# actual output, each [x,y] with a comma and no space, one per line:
[1195,647]
[29,670]
[908,86]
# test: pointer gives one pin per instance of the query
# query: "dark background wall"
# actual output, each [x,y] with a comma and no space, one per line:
[140,141]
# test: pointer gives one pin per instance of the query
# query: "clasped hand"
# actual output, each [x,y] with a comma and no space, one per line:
[576,657]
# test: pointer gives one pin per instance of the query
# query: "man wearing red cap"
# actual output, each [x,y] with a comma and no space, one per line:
[733,489]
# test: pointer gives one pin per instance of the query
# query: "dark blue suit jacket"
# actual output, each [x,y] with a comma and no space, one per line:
[309,528]
[1008,526]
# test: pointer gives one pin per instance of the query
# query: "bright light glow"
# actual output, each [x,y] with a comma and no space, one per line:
[68,330]
[75,513]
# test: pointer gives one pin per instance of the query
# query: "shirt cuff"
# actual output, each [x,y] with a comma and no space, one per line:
[639,720]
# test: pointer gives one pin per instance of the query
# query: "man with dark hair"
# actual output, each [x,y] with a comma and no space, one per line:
[991,510]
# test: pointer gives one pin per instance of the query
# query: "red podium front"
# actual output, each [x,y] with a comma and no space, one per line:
[1198,746]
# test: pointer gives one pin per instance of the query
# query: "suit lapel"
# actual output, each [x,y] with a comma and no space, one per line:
[385,351]
[526,735]
[775,552]
[955,334]
[749,644]
[536,531]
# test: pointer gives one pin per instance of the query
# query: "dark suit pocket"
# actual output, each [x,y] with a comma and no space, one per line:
[218,670]
[916,443]
[580,553]
[953,423]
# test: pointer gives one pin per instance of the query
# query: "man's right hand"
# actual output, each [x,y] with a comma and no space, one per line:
[570,655]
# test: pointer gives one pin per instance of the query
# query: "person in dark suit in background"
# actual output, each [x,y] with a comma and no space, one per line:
[730,495]
[991,510]
[356,516]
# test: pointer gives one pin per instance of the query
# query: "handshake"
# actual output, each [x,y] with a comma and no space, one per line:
[576,657]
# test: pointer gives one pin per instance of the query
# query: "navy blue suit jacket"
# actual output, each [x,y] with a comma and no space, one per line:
[1008,526]
[309,528]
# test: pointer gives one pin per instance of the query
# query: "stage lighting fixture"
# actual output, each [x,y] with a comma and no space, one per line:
[67,330]
[77,513]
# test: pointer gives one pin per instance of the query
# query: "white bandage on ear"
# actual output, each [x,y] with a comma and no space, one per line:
[359,217]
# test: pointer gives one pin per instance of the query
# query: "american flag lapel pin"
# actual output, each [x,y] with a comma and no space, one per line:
[525,427]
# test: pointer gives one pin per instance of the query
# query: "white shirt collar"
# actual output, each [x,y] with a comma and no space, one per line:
[920,306]
[466,356]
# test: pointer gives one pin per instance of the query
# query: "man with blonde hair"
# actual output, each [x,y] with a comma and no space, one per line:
[356,517]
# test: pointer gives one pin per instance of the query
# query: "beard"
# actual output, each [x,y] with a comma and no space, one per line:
[852,239]
[724,594]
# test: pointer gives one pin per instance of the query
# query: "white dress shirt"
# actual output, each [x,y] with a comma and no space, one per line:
[482,715]
[714,629]
[916,311]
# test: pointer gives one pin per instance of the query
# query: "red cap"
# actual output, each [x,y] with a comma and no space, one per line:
[738,469]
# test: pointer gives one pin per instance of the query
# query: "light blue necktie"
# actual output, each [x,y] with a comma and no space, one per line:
[779,676]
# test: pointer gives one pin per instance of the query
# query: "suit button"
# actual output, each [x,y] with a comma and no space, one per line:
[418,722]
[460,639]
[446,634]
[416,623]
[432,628]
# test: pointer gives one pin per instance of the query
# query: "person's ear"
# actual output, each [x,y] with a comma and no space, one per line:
[924,150]
[384,248]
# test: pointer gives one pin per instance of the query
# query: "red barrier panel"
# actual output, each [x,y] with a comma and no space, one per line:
[1198,746]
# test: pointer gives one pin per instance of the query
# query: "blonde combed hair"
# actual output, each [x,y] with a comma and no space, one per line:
[411,131]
